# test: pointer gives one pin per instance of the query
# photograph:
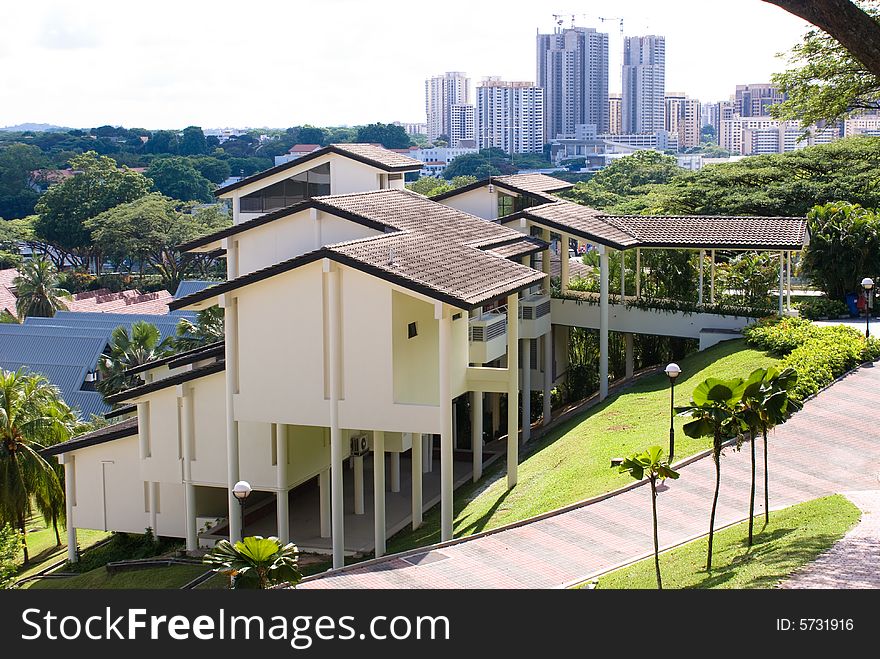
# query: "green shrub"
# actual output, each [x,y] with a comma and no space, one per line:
[822,307]
[124,546]
[780,336]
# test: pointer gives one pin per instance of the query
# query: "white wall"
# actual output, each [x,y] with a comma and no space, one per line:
[479,202]
[164,462]
[348,176]
[208,466]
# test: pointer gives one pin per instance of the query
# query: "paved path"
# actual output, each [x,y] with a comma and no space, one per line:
[853,561]
[832,445]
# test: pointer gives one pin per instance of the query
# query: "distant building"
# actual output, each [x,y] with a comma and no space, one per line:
[461,126]
[442,92]
[865,124]
[615,117]
[296,151]
[412,128]
[436,158]
[510,116]
[754,100]
[572,69]
[644,84]
[683,118]
[598,149]
[750,136]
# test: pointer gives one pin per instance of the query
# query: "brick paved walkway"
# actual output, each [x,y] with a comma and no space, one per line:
[853,561]
[832,445]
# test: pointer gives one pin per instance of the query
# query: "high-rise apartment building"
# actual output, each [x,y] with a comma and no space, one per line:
[615,118]
[510,116]
[461,126]
[572,69]
[683,118]
[755,99]
[442,92]
[749,136]
[644,84]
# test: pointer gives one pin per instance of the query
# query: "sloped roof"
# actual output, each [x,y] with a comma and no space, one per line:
[164,383]
[516,249]
[188,286]
[580,221]
[125,428]
[7,297]
[535,185]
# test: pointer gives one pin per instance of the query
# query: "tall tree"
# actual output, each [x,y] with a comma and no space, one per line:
[192,142]
[388,135]
[127,350]
[97,186]
[176,177]
[38,292]
[208,328]
[18,162]
[31,418]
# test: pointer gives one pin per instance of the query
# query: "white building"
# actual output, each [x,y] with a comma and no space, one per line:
[644,84]
[412,128]
[864,124]
[442,92]
[510,116]
[435,159]
[749,136]
[461,126]
[683,118]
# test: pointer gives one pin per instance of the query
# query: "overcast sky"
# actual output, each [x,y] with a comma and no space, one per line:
[164,64]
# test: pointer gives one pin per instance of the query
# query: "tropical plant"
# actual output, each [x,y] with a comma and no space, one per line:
[9,545]
[256,562]
[713,408]
[32,417]
[208,328]
[652,464]
[144,344]
[37,290]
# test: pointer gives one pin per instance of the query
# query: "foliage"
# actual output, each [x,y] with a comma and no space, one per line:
[123,546]
[10,542]
[821,307]
[208,328]
[177,178]
[192,142]
[431,186]
[126,351]
[485,163]
[32,417]
[388,135]
[844,247]
[37,290]
[256,562]
[17,193]
[824,81]
[213,169]
[99,186]
[652,464]
[746,279]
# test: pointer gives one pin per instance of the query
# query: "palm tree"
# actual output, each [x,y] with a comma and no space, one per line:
[32,417]
[652,463]
[144,344]
[256,562]
[714,413]
[208,328]
[37,290]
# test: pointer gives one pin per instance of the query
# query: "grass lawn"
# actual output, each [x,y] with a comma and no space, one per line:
[42,548]
[794,537]
[571,463]
[173,576]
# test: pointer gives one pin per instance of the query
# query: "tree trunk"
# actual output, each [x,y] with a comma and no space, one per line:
[716,455]
[856,30]
[656,543]
[23,527]
[55,526]
[766,479]
[752,492]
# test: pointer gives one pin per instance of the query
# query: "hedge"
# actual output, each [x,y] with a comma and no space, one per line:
[818,354]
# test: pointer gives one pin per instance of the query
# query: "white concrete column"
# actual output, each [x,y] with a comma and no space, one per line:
[281,481]
[379,491]
[548,377]
[477,432]
[427,453]
[324,502]
[189,490]
[603,322]
[702,258]
[638,272]
[788,282]
[446,477]
[153,495]
[712,279]
[563,263]
[236,206]
[358,462]
[526,423]
[394,459]
[416,469]
[630,354]
[143,414]
[337,512]
[545,257]
[513,386]
[230,306]
[781,283]
[69,503]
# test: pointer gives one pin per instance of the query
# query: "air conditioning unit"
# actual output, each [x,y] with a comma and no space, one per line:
[488,337]
[534,316]
[360,445]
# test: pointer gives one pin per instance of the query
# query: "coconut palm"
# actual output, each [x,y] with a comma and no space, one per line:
[208,328]
[144,344]
[256,562]
[713,408]
[37,290]
[32,417]
[651,463]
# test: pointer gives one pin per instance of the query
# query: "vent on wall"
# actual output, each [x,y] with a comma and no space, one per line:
[412,331]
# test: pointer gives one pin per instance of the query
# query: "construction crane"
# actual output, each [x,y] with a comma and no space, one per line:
[560,19]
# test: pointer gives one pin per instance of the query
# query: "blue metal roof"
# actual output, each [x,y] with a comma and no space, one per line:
[188,286]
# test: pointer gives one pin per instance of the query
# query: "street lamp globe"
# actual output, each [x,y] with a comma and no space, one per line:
[241,491]
[673,370]
[867,283]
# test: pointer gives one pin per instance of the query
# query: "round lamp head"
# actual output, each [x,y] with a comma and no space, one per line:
[673,370]
[241,490]
[868,283]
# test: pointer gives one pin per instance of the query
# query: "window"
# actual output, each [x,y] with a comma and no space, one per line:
[456,316]
[312,183]
[411,331]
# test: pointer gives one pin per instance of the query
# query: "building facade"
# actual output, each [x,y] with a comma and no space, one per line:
[442,92]
[572,69]
[644,84]
[750,136]
[461,126]
[615,116]
[754,100]
[683,118]
[510,116]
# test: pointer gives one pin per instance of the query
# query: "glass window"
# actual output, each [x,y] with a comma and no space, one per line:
[312,183]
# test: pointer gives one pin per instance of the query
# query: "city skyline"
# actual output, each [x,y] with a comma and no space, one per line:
[165,69]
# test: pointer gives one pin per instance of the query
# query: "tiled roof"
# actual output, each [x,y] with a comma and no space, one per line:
[158,385]
[125,428]
[536,183]
[127,302]
[715,232]
[7,298]
[519,248]
[370,154]
[580,221]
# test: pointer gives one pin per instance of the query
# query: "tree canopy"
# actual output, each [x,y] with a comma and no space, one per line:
[388,135]
[17,194]
[176,177]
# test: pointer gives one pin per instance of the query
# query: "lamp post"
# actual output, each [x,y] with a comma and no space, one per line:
[867,284]
[241,491]
[673,370]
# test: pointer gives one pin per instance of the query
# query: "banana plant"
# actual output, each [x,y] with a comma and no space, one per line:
[256,562]
[714,413]
[652,464]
